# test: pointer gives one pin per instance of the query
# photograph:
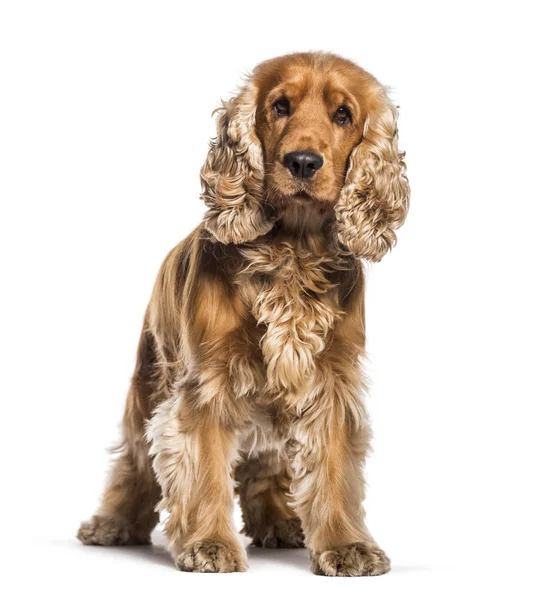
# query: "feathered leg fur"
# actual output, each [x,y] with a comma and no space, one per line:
[263,486]
[127,512]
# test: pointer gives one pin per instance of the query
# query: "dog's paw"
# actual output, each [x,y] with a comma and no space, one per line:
[282,534]
[110,531]
[353,560]
[211,556]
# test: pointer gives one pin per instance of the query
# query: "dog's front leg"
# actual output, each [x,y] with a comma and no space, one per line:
[327,454]
[194,439]
[193,457]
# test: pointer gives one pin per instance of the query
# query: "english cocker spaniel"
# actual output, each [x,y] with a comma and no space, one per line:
[248,370]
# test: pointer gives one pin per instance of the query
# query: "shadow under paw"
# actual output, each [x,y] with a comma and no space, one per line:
[354,560]
[282,534]
[210,556]
[111,531]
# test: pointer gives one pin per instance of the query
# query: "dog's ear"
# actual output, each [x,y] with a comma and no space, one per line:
[233,175]
[375,198]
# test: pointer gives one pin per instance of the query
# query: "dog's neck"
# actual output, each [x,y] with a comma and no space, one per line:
[300,217]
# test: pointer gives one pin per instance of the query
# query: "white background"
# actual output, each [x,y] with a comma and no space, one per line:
[105,115]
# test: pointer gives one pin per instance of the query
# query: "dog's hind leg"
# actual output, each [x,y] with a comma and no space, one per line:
[127,513]
[263,485]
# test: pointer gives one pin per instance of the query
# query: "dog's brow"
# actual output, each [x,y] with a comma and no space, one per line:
[290,89]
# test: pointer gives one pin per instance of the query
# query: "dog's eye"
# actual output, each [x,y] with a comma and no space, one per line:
[281,107]
[342,116]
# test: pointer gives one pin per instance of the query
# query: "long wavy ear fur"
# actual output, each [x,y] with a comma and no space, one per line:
[233,175]
[375,197]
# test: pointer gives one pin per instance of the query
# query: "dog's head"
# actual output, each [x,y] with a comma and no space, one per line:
[311,128]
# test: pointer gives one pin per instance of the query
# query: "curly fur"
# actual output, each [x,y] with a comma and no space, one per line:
[232,176]
[375,198]
[248,375]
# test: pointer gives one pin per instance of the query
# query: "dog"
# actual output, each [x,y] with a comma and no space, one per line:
[248,375]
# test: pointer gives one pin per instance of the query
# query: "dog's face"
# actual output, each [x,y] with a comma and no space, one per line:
[309,118]
[312,128]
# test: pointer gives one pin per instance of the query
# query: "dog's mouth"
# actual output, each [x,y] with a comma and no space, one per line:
[280,201]
[284,190]
[282,186]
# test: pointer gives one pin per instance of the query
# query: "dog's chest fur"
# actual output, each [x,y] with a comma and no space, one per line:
[289,291]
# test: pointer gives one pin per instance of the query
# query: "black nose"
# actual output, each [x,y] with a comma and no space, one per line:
[303,164]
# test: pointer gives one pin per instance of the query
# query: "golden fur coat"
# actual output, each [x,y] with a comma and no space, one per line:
[248,369]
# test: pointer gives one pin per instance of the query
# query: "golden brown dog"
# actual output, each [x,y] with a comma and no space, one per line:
[248,366]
